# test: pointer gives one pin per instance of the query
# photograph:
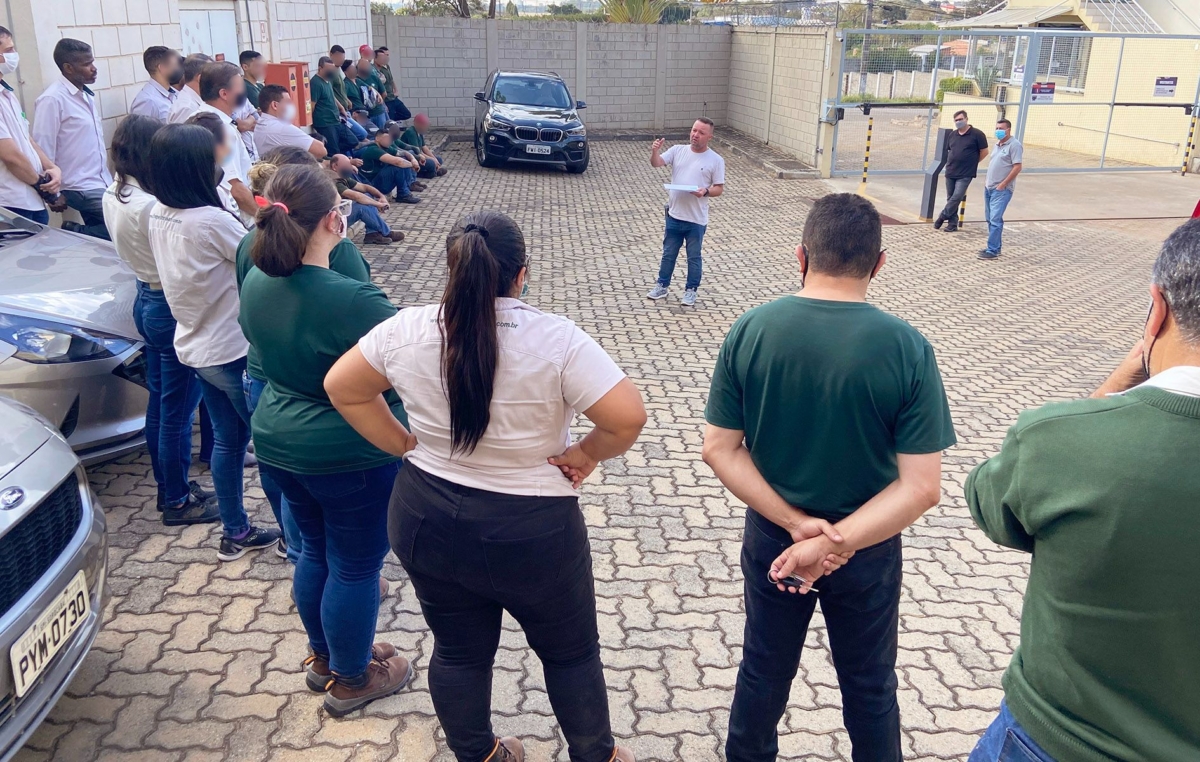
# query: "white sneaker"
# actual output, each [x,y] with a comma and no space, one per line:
[689,298]
[658,292]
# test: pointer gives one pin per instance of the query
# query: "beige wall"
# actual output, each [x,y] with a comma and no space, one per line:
[776,83]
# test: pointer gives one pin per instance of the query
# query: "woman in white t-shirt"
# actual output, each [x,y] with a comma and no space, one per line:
[485,515]
[195,239]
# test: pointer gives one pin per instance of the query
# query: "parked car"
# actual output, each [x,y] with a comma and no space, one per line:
[530,117]
[68,346]
[53,570]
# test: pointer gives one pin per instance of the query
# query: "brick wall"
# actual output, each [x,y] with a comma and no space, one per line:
[631,78]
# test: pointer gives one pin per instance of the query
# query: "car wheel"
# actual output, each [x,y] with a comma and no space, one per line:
[481,154]
[578,168]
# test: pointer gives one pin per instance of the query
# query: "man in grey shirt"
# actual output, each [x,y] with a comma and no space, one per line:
[999,184]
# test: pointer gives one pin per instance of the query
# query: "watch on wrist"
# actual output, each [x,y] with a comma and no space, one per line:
[706,192]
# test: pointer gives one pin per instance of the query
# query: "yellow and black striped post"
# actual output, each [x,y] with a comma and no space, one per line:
[1187,152]
[862,187]
[962,212]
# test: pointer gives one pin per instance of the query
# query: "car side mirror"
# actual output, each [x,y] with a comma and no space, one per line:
[480,97]
[580,104]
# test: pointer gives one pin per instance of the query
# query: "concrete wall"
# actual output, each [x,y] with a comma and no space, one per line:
[120,30]
[631,76]
[776,86]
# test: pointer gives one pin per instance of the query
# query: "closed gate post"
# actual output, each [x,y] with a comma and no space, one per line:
[929,186]
[862,187]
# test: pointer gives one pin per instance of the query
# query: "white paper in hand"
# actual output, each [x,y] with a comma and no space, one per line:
[684,188]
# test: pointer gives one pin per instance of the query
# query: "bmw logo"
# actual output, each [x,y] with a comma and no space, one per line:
[11,498]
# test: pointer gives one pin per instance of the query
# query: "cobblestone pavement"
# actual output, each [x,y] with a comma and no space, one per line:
[200,660]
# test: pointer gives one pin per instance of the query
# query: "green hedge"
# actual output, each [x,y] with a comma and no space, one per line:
[955,85]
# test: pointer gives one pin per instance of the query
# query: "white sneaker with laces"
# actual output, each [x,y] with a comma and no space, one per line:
[689,298]
[658,292]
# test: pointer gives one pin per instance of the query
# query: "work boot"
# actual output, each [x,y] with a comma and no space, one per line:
[417,187]
[396,236]
[507,749]
[319,677]
[376,239]
[382,678]
[441,172]
[937,224]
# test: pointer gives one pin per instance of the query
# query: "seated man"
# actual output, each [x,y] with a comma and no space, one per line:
[276,127]
[368,202]
[1104,494]
[386,170]
[413,140]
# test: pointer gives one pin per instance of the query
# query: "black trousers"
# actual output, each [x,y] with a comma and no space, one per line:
[397,111]
[472,555]
[861,604]
[956,191]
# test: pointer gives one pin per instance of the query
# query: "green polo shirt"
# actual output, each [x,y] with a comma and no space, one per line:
[828,393]
[353,89]
[302,324]
[339,89]
[373,81]
[324,104]
[371,157]
[384,74]
[412,140]
[252,91]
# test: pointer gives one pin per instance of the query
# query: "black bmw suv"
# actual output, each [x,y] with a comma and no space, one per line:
[529,116]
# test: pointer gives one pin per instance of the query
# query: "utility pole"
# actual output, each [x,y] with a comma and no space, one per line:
[862,58]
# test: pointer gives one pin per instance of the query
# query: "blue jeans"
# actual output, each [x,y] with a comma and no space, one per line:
[1006,741]
[861,604]
[253,389]
[678,233]
[90,205]
[370,217]
[40,216]
[427,166]
[342,520]
[226,403]
[994,203]
[380,119]
[391,178]
[356,129]
[174,394]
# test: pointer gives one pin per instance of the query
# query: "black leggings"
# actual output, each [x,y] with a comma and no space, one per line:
[472,555]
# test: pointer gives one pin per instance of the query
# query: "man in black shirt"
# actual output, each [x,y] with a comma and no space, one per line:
[965,149]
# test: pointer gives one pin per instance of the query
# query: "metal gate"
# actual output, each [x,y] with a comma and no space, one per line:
[1078,101]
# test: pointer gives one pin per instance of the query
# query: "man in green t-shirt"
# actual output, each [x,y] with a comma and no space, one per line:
[367,203]
[1104,493]
[325,113]
[252,71]
[372,92]
[338,55]
[388,171]
[828,418]
[413,141]
[396,109]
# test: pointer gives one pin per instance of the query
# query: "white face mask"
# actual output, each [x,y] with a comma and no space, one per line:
[288,114]
[10,62]
[345,225]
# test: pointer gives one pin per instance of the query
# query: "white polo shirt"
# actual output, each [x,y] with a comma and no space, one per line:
[195,251]
[128,221]
[271,132]
[187,102]
[14,127]
[547,370]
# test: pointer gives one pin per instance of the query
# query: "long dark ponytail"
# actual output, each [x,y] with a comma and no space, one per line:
[485,253]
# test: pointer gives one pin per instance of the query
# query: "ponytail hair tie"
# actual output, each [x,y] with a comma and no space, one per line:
[473,228]
[282,206]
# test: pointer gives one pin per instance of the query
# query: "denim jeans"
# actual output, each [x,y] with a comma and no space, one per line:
[90,205]
[1006,741]
[861,604]
[174,394]
[678,233]
[226,403]
[380,120]
[356,129]
[956,191]
[994,203]
[471,556]
[369,216]
[40,216]
[342,520]
[397,111]
[428,169]
[392,178]
[253,389]
[333,138]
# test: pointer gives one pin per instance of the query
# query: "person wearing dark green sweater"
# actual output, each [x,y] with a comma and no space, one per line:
[1105,493]
[413,141]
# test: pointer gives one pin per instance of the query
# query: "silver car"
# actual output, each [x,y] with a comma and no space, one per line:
[53,570]
[68,346]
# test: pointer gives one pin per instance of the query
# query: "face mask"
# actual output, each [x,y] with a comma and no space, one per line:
[288,114]
[1000,134]
[10,62]
[345,225]
[960,123]
[524,288]
[176,78]
[240,100]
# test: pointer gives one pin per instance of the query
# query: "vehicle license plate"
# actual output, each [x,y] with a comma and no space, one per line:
[542,150]
[38,645]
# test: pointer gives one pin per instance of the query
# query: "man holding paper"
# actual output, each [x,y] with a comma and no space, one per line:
[697,174]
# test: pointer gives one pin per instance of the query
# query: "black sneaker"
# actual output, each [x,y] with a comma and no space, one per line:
[409,199]
[937,224]
[192,511]
[199,493]
[281,548]
[985,254]
[255,539]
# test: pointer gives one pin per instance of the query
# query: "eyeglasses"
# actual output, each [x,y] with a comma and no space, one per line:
[343,207]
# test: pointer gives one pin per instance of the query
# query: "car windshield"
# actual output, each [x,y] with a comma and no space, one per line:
[531,91]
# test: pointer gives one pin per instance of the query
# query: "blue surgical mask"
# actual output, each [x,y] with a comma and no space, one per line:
[1000,134]
[524,288]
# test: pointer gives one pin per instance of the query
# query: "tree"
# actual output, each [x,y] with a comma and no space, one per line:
[566,9]
[379,8]
[459,8]
[511,10]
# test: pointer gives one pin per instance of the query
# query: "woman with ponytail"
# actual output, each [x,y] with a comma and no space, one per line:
[485,515]
[300,315]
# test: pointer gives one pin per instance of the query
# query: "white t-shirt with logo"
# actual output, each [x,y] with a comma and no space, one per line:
[547,370]
[690,168]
